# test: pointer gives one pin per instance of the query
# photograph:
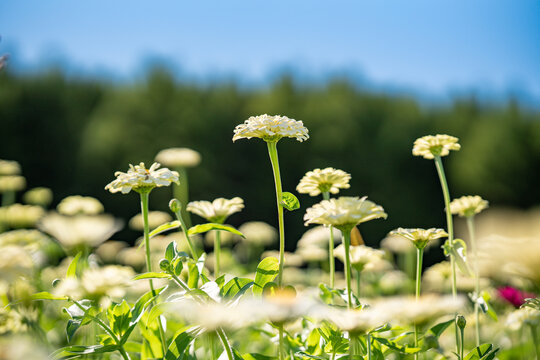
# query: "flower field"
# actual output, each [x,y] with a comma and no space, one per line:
[194,287]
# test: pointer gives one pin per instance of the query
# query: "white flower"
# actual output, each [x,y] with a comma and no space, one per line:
[361,256]
[140,179]
[319,236]
[216,211]
[20,216]
[397,244]
[438,278]
[15,261]
[438,145]
[343,212]
[72,231]
[76,204]
[467,206]
[258,233]
[325,180]
[420,237]
[354,321]
[179,157]
[393,282]
[523,316]
[109,250]
[38,196]
[291,259]
[12,183]
[9,167]
[155,219]
[312,253]
[271,128]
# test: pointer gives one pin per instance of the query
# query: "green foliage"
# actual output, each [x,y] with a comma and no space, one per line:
[266,272]
[482,352]
[202,228]
[289,201]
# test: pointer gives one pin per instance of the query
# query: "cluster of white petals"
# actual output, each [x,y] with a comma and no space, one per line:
[140,179]
[467,206]
[319,236]
[155,219]
[258,233]
[271,128]
[12,183]
[326,180]
[344,211]
[523,316]
[76,204]
[362,257]
[179,157]
[38,196]
[438,145]
[420,237]
[9,167]
[218,210]
[20,216]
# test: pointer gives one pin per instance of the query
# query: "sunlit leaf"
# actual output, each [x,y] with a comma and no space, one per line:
[44,295]
[202,228]
[266,271]
[289,201]
[165,227]
[72,269]
[152,275]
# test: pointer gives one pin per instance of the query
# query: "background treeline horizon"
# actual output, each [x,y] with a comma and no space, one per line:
[71,135]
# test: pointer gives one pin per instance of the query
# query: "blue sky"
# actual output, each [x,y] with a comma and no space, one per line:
[431,46]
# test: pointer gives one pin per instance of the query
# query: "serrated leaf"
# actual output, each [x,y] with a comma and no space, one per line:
[267,270]
[165,227]
[152,275]
[202,228]
[289,201]
[44,295]
[72,269]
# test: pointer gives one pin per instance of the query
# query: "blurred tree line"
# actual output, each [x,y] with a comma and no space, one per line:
[72,135]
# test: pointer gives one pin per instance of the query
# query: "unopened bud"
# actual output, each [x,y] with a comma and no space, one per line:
[175,205]
[461,322]
[164,264]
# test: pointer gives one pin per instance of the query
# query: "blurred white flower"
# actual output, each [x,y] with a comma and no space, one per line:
[271,128]
[467,206]
[326,180]
[291,259]
[216,211]
[20,216]
[109,250]
[15,262]
[258,233]
[438,145]
[343,212]
[76,204]
[362,257]
[226,237]
[155,219]
[140,179]
[319,236]
[38,196]
[523,316]
[12,183]
[72,231]
[420,237]
[354,321]
[11,322]
[393,282]
[179,157]
[9,167]
[438,278]
[17,347]
[312,253]
[397,244]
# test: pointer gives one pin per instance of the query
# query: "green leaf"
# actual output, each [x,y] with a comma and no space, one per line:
[289,201]
[255,356]
[482,352]
[179,346]
[170,252]
[266,272]
[395,346]
[236,287]
[458,249]
[177,266]
[202,228]
[439,328]
[193,275]
[483,302]
[152,275]
[74,351]
[119,316]
[72,269]
[303,354]
[44,295]
[165,227]
[71,327]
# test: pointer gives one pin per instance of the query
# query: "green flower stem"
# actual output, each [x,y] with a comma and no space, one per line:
[419,260]
[347,243]
[144,210]
[470,227]
[331,261]
[461,342]
[272,151]
[181,192]
[217,252]
[107,329]
[358,282]
[354,345]
[535,340]
[184,227]
[368,345]
[281,349]
[8,198]
[450,228]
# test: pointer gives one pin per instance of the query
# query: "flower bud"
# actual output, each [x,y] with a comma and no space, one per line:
[175,205]
[461,322]
[164,264]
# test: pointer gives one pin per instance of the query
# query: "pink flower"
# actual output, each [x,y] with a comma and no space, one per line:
[514,296]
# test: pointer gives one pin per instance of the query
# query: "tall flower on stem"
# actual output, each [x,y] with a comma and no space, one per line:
[271,129]
[468,207]
[435,147]
[143,181]
[216,211]
[420,238]
[325,181]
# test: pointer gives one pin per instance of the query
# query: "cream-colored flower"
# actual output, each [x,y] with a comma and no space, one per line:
[258,233]
[11,322]
[397,244]
[140,179]
[12,183]
[438,145]
[420,237]
[319,236]
[312,253]
[38,196]
[76,204]
[354,321]
[15,261]
[438,278]
[225,237]
[343,212]
[9,167]
[17,347]
[362,257]
[467,206]
[109,250]
[393,282]
[33,241]
[216,211]
[271,128]
[179,157]
[72,231]
[523,316]
[20,216]
[291,259]
[155,219]
[325,180]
